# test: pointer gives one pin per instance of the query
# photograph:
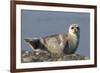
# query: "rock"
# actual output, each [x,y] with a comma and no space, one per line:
[44,56]
[26,56]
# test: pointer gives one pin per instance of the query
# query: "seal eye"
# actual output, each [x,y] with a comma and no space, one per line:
[77,28]
[72,27]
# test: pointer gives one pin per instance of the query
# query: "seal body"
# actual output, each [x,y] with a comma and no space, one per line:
[66,43]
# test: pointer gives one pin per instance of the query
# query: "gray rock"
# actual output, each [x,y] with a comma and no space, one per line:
[44,56]
[26,56]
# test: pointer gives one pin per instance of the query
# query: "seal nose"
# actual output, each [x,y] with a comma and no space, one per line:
[76,30]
